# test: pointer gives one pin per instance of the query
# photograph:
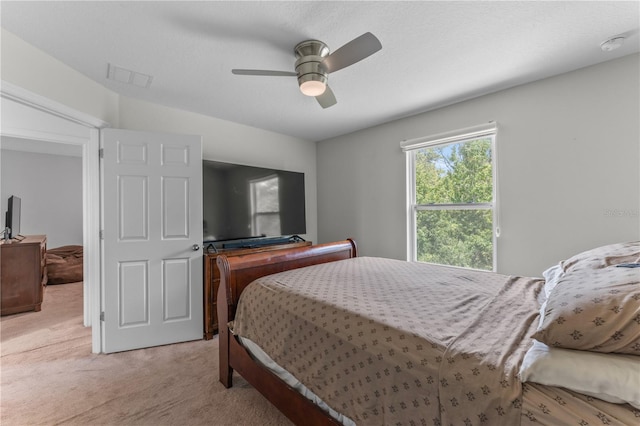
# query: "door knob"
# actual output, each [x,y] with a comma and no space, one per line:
[195,247]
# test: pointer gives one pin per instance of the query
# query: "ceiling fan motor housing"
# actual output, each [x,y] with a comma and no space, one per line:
[308,66]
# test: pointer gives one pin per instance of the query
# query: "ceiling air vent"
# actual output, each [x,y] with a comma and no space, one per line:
[123,75]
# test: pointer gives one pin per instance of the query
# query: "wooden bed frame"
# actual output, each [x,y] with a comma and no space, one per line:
[236,273]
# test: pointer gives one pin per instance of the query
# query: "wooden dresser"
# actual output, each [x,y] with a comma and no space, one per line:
[23,272]
[212,281]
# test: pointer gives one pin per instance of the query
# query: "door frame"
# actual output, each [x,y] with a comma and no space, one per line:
[69,126]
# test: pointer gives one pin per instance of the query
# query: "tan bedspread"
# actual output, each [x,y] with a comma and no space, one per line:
[554,406]
[390,342]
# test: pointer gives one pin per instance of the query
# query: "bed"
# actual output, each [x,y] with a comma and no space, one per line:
[333,338]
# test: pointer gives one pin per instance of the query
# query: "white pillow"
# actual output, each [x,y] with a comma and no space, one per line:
[610,377]
[551,278]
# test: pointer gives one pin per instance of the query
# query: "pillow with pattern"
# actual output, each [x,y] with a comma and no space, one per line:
[594,308]
[602,257]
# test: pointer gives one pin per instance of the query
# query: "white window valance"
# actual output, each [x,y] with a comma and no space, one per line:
[467,133]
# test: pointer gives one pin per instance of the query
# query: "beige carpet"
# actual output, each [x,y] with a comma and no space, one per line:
[49,376]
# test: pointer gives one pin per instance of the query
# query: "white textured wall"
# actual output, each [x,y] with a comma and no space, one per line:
[569,168]
[50,188]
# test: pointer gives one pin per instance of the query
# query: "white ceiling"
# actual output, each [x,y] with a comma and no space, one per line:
[434,53]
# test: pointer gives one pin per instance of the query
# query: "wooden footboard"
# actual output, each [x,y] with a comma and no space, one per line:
[236,273]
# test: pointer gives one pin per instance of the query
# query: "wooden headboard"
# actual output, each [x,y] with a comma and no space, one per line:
[237,272]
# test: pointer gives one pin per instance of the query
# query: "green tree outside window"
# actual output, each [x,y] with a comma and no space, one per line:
[454,204]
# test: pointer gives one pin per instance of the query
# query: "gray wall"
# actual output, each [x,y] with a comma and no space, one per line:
[568,151]
[50,187]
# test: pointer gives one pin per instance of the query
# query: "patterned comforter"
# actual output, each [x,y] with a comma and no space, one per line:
[390,342]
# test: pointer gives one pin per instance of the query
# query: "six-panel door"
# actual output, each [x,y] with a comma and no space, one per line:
[152,232]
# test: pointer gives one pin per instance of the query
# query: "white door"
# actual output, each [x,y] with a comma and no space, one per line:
[151,237]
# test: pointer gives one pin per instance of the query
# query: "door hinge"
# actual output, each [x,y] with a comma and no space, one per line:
[102,316]
[101,234]
[101,152]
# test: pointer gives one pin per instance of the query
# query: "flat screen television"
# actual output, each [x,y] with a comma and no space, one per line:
[12,217]
[244,202]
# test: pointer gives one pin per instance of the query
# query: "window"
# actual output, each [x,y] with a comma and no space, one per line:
[451,187]
[265,206]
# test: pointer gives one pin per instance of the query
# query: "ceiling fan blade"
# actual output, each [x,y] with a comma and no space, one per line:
[327,99]
[354,51]
[264,72]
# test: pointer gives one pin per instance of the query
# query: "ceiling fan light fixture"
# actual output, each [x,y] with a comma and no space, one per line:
[312,78]
[313,87]
[314,62]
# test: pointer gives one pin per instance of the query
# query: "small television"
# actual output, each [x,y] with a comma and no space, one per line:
[249,203]
[12,217]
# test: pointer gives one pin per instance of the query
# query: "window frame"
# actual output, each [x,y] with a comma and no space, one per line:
[410,147]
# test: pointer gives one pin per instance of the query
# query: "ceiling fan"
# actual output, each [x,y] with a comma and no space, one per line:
[314,63]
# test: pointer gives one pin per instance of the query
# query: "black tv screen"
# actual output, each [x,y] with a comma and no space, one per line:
[249,202]
[12,217]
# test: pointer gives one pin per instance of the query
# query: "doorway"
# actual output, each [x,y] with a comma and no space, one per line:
[47,177]
[27,116]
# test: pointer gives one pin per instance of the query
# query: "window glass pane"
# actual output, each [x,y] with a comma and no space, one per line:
[455,173]
[455,237]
